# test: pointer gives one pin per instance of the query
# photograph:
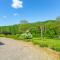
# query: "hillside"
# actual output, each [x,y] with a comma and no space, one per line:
[50,29]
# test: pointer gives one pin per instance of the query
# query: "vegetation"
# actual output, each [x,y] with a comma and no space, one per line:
[44,34]
[50,43]
[26,35]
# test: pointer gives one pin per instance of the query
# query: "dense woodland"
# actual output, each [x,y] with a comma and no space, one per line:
[49,29]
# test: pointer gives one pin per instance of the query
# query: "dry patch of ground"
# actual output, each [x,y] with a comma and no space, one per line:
[19,50]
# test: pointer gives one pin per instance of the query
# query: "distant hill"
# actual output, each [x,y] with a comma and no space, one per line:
[50,28]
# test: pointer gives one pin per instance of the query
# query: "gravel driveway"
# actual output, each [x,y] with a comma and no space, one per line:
[18,50]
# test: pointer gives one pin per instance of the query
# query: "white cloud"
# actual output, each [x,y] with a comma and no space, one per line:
[4,16]
[15,14]
[17,4]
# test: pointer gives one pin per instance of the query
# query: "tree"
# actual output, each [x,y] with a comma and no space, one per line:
[42,30]
[23,21]
[58,18]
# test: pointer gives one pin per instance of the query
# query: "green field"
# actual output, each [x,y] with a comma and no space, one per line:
[50,43]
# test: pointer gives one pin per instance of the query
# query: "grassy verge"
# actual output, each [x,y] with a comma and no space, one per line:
[50,43]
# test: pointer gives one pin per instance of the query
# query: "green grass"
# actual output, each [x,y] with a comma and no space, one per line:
[50,43]
[2,35]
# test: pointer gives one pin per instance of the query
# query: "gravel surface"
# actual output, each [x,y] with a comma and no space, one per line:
[18,50]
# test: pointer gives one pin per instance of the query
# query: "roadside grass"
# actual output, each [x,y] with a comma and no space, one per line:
[50,43]
[12,36]
[2,35]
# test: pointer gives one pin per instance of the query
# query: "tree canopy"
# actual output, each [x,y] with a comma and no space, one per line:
[50,28]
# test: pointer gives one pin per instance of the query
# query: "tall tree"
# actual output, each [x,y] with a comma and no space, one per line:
[23,21]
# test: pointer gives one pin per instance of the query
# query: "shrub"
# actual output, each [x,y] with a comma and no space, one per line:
[43,45]
[55,48]
[26,35]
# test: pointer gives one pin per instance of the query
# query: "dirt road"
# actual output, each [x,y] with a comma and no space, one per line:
[17,50]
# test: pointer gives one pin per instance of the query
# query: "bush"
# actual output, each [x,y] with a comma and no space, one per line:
[56,48]
[26,35]
[43,45]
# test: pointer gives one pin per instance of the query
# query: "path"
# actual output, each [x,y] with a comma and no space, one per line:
[18,50]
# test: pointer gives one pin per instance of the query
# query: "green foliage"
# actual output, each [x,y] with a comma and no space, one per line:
[26,35]
[12,36]
[56,48]
[23,21]
[50,43]
[49,29]
[43,45]
[50,33]
[2,35]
